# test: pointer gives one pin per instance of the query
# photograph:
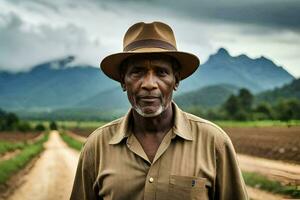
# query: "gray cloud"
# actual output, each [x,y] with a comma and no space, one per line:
[42,30]
[22,46]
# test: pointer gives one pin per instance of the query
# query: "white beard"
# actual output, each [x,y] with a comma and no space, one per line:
[158,112]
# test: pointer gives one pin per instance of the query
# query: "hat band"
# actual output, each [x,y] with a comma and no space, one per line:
[149,43]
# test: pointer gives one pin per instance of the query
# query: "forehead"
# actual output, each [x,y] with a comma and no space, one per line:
[158,59]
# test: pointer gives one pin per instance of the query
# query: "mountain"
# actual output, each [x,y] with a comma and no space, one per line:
[291,90]
[206,97]
[254,74]
[61,87]
[111,99]
[51,85]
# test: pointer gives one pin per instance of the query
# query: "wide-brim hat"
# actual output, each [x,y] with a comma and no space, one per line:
[149,38]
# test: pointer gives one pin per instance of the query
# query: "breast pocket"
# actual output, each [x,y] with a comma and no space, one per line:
[187,187]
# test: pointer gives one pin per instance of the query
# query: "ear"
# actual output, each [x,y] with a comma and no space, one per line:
[123,87]
[177,80]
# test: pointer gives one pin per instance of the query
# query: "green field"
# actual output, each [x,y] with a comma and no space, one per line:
[18,162]
[72,124]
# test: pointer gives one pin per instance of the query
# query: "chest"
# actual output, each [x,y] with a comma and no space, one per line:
[150,145]
[177,174]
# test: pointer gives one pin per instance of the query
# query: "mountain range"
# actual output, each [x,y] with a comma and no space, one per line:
[59,84]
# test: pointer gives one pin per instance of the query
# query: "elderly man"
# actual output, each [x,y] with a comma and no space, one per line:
[156,151]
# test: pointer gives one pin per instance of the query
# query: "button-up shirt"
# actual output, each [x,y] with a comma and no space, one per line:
[195,160]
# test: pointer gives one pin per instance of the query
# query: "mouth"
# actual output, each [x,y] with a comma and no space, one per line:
[148,98]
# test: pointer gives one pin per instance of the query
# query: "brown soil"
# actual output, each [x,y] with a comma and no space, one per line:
[278,143]
[15,136]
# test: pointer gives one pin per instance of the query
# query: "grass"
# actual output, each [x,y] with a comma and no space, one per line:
[11,146]
[71,142]
[71,124]
[13,165]
[261,182]
[260,123]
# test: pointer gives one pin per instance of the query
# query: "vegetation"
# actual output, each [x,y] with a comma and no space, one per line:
[53,125]
[11,166]
[261,182]
[10,146]
[73,143]
[242,107]
[11,122]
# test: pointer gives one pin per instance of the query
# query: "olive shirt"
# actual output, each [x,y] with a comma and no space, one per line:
[195,160]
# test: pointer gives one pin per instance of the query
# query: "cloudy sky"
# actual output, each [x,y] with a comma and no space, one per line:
[35,31]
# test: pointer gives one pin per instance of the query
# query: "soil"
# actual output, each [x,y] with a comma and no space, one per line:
[277,143]
[15,136]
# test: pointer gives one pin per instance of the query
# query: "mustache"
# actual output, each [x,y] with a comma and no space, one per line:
[148,95]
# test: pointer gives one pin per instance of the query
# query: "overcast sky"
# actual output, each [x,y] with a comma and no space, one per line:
[32,32]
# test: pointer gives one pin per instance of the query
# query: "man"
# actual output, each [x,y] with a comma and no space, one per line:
[156,151]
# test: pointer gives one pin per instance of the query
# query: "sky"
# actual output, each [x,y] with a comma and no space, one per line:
[36,31]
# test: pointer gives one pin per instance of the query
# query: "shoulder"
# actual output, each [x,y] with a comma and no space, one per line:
[208,129]
[103,134]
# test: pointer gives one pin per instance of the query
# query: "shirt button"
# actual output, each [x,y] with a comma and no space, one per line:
[151,180]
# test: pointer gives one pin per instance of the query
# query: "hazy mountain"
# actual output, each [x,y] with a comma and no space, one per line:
[109,99]
[207,97]
[291,90]
[61,85]
[51,85]
[255,74]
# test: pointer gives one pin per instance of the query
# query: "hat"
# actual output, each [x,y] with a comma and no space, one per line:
[146,38]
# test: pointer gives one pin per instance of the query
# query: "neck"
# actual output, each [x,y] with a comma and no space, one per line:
[153,125]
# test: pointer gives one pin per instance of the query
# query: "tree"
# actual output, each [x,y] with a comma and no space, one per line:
[288,109]
[245,99]
[263,111]
[231,106]
[40,127]
[53,126]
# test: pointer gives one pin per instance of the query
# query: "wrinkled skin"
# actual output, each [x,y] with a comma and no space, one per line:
[149,82]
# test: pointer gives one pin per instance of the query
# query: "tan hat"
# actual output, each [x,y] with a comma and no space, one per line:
[144,38]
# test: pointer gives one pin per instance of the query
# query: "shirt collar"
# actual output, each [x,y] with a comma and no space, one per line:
[181,126]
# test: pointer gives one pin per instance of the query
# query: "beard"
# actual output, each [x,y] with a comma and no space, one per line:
[140,111]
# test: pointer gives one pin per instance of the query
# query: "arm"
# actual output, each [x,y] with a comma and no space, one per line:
[229,182]
[83,186]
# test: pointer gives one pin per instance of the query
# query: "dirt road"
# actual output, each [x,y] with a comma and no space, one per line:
[284,172]
[52,176]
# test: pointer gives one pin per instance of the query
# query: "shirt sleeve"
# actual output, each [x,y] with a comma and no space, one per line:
[84,187]
[229,181]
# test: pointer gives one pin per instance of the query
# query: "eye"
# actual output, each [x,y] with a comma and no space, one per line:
[137,71]
[162,72]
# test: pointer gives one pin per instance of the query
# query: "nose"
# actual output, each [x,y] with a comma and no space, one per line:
[149,81]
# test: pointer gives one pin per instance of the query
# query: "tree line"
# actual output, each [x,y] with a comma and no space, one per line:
[10,122]
[242,107]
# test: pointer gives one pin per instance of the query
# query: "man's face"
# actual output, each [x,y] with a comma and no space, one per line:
[149,82]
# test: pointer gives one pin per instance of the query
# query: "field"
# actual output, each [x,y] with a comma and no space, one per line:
[269,139]
[17,136]
[279,143]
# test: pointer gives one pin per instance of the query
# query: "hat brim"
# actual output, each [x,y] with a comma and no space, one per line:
[110,65]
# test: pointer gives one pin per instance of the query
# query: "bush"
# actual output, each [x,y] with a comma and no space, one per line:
[24,127]
[40,127]
[53,125]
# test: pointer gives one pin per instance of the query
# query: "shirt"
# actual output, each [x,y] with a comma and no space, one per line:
[195,160]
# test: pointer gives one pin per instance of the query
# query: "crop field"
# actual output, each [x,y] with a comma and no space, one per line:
[16,136]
